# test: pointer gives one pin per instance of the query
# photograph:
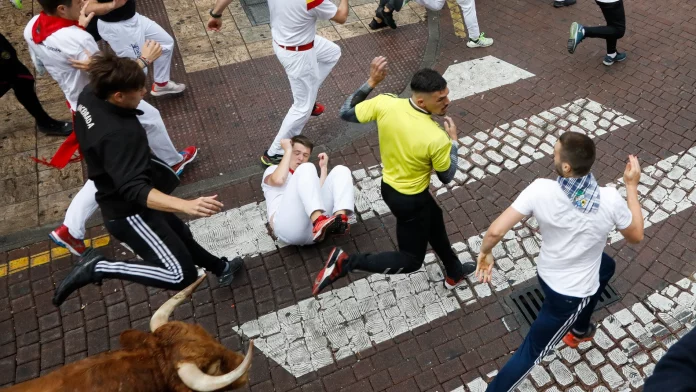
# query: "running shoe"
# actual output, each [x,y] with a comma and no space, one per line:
[577,34]
[189,153]
[170,88]
[619,57]
[481,42]
[333,269]
[55,128]
[563,3]
[62,237]
[573,341]
[467,268]
[270,160]
[17,4]
[321,226]
[80,275]
[318,109]
[234,265]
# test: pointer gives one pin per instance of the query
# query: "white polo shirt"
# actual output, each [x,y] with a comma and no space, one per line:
[572,242]
[54,54]
[293,25]
[273,194]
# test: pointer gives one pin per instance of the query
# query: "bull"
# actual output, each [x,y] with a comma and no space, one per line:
[174,357]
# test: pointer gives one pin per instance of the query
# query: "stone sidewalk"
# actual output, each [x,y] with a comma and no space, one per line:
[377,333]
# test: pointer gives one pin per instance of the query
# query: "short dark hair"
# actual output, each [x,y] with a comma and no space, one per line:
[109,74]
[303,140]
[427,80]
[50,6]
[577,150]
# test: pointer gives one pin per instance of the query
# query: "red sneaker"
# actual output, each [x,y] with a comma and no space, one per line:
[189,153]
[318,109]
[333,269]
[321,226]
[452,284]
[61,236]
[573,341]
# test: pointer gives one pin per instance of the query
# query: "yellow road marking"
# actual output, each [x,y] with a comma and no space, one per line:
[23,263]
[457,21]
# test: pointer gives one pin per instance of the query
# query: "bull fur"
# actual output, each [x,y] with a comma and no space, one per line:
[146,363]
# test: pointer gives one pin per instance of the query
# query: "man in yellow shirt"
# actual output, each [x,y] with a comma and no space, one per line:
[411,145]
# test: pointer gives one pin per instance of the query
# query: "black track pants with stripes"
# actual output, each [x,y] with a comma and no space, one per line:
[167,248]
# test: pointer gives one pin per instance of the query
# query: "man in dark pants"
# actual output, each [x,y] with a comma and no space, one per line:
[14,75]
[411,145]
[128,178]
[676,371]
[615,29]
[575,216]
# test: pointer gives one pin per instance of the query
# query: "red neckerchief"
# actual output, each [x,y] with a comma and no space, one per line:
[313,3]
[44,26]
[291,171]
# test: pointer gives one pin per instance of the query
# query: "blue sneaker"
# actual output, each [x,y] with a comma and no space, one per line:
[577,34]
[608,60]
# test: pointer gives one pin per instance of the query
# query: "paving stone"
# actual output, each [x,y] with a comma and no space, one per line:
[561,373]
[610,376]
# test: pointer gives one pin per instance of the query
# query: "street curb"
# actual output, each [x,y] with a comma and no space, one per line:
[355,131]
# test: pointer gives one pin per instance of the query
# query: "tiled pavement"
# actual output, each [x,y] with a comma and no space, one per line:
[468,335]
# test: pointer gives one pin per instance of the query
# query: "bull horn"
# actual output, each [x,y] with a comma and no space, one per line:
[194,378]
[162,314]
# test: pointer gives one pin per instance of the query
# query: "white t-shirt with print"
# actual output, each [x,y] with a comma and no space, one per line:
[293,25]
[273,194]
[54,54]
[572,242]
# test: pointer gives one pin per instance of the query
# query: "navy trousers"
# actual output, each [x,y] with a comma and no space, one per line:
[558,314]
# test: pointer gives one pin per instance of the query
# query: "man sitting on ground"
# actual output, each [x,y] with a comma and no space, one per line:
[302,206]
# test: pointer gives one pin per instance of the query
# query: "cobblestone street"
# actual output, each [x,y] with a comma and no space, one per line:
[396,333]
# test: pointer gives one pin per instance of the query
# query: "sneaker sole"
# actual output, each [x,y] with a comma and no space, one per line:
[321,234]
[183,165]
[159,94]
[54,237]
[478,45]
[574,342]
[572,39]
[268,162]
[322,274]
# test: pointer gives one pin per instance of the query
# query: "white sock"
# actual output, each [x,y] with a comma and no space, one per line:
[612,55]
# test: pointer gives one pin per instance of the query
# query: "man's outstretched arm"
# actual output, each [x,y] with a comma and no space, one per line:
[378,71]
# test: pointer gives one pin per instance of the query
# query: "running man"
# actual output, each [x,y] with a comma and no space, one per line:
[126,31]
[14,75]
[384,16]
[575,217]
[307,58]
[613,11]
[60,46]
[132,186]
[411,145]
[302,206]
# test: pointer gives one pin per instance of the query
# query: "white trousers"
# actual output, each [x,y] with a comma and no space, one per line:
[468,10]
[306,72]
[303,195]
[84,203]
[127,37]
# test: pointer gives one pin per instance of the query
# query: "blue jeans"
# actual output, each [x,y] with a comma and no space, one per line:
[558,314]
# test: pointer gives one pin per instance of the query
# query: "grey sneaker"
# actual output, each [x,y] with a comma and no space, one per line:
[225,279]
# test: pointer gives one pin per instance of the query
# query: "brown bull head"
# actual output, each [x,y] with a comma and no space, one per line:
[176,357]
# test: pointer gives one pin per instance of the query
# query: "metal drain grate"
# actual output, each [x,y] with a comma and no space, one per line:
[257,11]
[526,302]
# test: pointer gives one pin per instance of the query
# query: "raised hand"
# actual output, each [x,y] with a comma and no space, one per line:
[632,173]
[450,128]
[84,18]
[323,160]
[378,71]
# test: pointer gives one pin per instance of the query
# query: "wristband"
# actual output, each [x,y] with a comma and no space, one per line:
[144,60]
[216,16]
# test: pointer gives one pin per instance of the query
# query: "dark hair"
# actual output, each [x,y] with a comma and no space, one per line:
[109,74]
[303,140]
[50,6]
[427,81]
[577,150]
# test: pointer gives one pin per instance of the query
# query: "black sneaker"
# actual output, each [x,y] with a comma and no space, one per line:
[563,3]
[270,160]
[340,225]
[375,25]
[225,279]
[333,269]
[58,128]
[467,268]
[387,17]
[81,275]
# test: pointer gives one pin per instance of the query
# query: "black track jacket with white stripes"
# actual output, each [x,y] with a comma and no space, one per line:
[118,157]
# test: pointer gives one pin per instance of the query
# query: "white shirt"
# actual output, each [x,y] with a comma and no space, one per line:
[54,54]
[273,194]
[572,242]
[293,25]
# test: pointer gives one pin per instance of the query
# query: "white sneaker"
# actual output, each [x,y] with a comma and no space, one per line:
[17,4]
[481,42]
[170,88]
